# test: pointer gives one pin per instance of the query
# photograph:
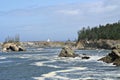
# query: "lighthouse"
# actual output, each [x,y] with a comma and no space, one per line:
[48,40]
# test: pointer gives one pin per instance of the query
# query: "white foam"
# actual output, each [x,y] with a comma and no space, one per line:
[94,58]
[38,64]
[43,64]
[54,73]
[53,66]
[5,61]
[73,69]
[40,48]
[23,57]
[108,79]
[51,75]
[2,57]
[87,78]
[38,78]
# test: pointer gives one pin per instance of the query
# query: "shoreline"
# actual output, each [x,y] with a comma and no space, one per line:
[81,45]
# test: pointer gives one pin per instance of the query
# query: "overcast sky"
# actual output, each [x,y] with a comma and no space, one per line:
[59,20]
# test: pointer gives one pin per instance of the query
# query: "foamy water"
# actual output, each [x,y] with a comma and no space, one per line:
[44,64]
[2,57]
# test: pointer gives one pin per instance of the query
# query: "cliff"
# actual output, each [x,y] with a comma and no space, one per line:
[97,44]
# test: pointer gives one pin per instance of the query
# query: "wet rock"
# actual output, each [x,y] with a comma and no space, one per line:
[84,56]
[113,57]
[68,52]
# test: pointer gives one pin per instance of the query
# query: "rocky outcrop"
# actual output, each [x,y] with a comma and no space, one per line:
[68,52]
[84,56]
[7,47]
[79,45]
[113,57]
[96,44]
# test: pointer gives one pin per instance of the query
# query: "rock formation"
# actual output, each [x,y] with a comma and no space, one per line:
[7,47]
[113,57]
[68,52]
[96,44]
[79,45]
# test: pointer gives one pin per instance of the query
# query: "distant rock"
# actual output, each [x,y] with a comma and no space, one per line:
[68,52]
[7,47]
[79,45]
[113,57]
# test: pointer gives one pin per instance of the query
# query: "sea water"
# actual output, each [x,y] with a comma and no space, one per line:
[44,64]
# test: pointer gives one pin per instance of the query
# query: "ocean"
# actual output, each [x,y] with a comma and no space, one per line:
[44,64]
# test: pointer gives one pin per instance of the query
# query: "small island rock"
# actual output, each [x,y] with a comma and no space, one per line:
[113,57]
[7,47]
[68,52]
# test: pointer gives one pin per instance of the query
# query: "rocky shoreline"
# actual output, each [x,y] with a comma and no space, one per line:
[83,44]
[69,47]
[97,44]
[45,44]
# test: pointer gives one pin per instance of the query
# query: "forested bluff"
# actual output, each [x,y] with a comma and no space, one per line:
[102,36]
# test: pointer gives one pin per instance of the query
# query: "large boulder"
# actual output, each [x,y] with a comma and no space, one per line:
[113,57]
[7,47]
[68,52]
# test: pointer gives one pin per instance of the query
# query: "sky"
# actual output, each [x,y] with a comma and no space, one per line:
[58,20]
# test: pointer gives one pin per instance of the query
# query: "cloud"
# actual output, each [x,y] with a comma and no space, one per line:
[69,12]
[61,19]
[101,7]
[96,7]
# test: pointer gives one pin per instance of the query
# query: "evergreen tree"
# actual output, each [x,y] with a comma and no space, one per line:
[108,31]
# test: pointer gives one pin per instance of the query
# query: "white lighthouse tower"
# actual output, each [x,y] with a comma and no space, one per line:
[48,40]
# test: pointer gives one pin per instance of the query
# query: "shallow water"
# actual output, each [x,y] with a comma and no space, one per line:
[44,64]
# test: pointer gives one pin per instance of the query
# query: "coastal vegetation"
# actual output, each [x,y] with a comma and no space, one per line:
[108,31]
[15,39]
[12,44]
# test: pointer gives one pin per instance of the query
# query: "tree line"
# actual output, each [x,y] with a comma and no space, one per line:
[12,39]
[108,31]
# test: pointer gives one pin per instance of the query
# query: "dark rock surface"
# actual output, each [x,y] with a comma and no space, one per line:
[84,56]
[113,57]
[68,52]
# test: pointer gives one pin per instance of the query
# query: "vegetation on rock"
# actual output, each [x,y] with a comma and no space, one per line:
[12,44]
[15,40]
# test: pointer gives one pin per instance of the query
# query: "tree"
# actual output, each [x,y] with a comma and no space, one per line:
[108,31]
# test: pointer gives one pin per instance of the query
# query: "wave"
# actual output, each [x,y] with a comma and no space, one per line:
[95,58]
[54,74]
[43,64]
[5,61]
[2,57]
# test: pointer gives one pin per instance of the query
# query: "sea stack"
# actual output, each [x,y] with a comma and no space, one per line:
[8,47]
[113,57]
[67,52]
